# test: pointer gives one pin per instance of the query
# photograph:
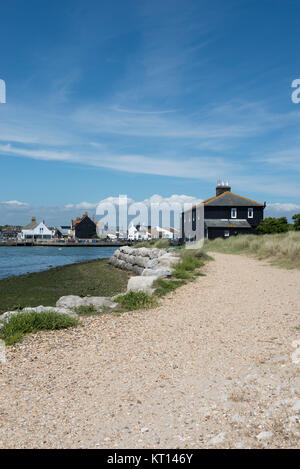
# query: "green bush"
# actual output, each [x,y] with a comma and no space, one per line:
[136,300]
[296,225]
[22,324]
[273,225]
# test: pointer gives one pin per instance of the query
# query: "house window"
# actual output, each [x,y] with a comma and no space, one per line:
[233,213]
[194,219]
[250,212]
[226,234]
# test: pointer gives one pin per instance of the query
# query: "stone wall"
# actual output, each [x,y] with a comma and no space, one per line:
[145,261]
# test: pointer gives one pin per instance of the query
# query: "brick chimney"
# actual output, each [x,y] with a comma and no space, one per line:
[222,187]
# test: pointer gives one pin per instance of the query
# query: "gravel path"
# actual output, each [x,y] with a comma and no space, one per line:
[213,366]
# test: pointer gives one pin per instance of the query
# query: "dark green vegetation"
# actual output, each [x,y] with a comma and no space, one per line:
[272,225]
[29,322]
[95,278]
[136,300]
[282,249]
[296,219]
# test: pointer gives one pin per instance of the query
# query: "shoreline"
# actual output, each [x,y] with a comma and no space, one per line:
[94,277]
[65,245]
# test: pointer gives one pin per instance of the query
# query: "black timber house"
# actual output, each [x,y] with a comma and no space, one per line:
[84,227]
[226,214]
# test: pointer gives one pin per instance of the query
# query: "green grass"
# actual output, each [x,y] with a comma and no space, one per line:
[281,249]
[26,323]
[154,243]
[163,287]
[94,278]
[88,310]
[134,300]
[189,263]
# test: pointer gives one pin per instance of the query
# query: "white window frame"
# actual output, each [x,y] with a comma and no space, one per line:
[250,212]
[234,213]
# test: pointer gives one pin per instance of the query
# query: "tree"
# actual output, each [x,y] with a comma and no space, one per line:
[273,225]
[296,217]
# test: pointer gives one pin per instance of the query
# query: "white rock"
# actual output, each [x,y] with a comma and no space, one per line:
[141,283]
[296,406]
[69,301]
[144,430]
[73,301]
[264,435]
[217,440]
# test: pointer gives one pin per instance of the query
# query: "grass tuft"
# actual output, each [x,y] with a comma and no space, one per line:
[189,263]
[22,324]
[163,287]
[136,300]
[87,310]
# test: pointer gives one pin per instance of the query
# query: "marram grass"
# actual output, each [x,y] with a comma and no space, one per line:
[282,249]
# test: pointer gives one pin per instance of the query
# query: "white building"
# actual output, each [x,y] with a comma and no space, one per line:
[141,233]
[164,233]
[36,231]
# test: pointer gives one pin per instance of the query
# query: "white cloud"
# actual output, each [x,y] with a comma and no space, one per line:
[283,207]
[15,203]
[80,206]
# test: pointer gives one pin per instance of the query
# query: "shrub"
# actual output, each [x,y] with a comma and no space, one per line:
[273,225]
[136,300]
[296,217]
[22,324]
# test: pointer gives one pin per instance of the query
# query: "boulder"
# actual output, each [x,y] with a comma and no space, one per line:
[69,301]
[141,284]
[73,301]
[158,272]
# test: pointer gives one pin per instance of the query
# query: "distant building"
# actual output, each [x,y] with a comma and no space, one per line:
[226,214]
[84,227]
[139,233]
[10,231]
[164,233]
[63,231]
[35,230]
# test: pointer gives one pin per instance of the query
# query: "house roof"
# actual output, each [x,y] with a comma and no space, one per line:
[80,219]
[231,199]
[231,223]
[30,226]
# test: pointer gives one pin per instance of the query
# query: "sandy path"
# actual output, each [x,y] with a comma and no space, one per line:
[212,366]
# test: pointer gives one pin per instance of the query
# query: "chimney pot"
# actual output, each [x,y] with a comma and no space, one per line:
[221,188]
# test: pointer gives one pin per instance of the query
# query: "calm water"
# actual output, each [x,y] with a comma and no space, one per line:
[22,260]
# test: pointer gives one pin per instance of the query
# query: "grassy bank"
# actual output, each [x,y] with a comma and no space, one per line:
[187,270]
[280,249]
[95,278]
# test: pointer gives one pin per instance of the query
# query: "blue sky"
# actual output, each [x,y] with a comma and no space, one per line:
[142,98]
